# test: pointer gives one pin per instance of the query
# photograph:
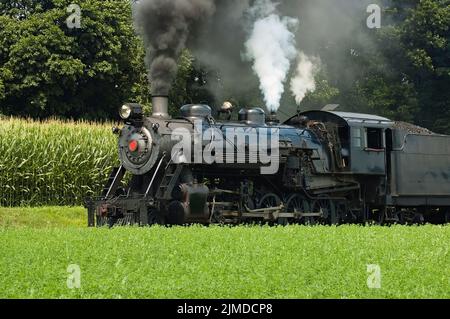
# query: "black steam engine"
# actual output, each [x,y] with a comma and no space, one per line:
[331,167]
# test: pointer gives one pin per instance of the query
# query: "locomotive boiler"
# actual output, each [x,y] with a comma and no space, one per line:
[317,167]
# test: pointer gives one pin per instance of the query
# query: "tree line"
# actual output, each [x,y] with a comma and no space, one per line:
[50,70]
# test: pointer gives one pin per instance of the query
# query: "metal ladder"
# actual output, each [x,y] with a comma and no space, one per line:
[171,176]
[114,180]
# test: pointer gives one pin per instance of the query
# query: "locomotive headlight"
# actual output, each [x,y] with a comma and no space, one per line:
[131,111]
[125,112]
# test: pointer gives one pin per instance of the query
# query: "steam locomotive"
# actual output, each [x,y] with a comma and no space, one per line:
[328,168]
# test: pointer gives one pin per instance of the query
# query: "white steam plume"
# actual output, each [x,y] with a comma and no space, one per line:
[304,80]
[271,47]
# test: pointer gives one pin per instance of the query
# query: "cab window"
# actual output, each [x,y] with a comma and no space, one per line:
[375,139]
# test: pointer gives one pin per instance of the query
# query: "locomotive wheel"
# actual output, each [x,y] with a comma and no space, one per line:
[405,217]
[341,212]
[419,219]
[111,221]
[217,218]
[297,203]
[269,200]
[249,202]
[447,217]
[331,214]
[329,211]
[316,207]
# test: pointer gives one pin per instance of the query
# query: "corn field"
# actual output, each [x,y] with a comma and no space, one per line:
[53,162]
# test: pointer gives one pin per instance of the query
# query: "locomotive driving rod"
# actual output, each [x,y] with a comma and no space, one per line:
[264,210]
[276,211]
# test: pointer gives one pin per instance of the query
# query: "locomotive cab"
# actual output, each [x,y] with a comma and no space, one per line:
[357,141]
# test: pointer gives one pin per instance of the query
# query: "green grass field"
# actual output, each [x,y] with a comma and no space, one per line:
[38,245]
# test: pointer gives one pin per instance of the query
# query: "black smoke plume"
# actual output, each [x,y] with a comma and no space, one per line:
[166,27]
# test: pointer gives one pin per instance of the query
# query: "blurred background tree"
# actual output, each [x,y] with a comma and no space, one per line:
[48,69]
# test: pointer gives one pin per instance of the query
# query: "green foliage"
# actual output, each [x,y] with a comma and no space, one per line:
[53,162]
[426,40]
[179,94]
[222,262]
[2,89]
[51,70]
[21,9]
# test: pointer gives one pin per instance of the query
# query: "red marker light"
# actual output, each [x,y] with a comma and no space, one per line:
[133,146]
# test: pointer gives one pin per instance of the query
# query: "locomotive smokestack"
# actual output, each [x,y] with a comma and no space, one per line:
[160,105]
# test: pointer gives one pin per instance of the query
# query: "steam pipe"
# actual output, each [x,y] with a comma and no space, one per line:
[272,119]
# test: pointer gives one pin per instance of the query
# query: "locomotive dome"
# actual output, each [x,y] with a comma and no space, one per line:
[196,111]
[252,116]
